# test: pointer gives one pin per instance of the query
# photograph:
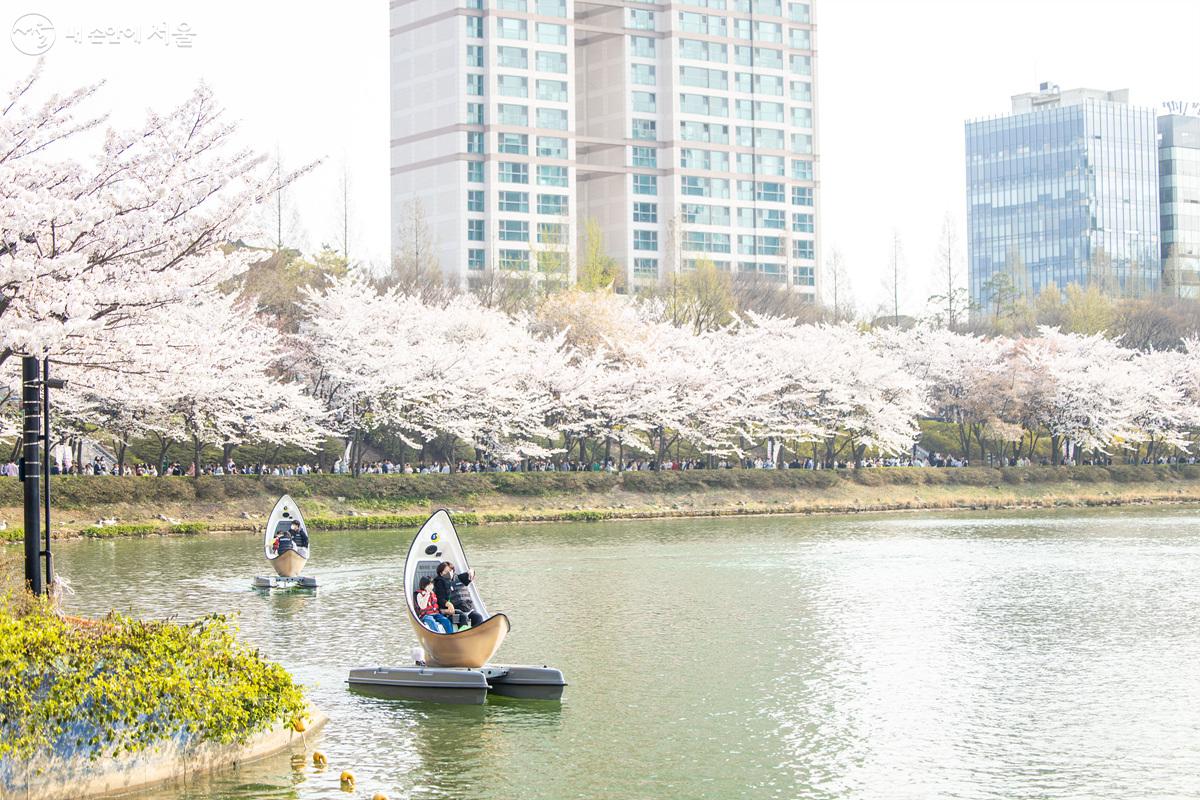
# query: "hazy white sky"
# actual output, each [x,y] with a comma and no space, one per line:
[897,79]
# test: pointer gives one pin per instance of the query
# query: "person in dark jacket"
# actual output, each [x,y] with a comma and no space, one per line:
[445,585]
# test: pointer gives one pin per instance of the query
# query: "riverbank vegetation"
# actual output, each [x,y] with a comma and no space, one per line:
[118,685]
[136,506]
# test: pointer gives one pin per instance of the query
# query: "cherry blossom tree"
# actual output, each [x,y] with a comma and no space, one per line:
[89,245]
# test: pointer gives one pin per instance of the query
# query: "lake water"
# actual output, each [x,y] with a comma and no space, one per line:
[1049,655]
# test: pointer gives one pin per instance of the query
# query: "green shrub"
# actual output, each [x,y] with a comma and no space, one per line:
[113,531]
[122,685]
[189,527]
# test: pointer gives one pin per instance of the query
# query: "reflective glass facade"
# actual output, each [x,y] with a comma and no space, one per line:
[1064,194]
[1179,182]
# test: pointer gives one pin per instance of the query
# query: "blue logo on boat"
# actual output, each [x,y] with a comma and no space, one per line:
[433,538]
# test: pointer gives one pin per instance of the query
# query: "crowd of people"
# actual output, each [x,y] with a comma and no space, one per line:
[103,466]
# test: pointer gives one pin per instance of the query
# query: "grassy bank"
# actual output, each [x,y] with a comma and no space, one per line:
[153,506]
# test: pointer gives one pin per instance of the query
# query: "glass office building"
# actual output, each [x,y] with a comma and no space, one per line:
[1179,182]
[1063,190]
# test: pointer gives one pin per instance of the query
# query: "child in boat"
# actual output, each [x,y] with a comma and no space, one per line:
[427,609]
[444,587]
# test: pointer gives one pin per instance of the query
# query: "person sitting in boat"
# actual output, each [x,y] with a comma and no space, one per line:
[294,538]
[428,609]
[452,589]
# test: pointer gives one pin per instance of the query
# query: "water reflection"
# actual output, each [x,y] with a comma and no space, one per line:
[967,656]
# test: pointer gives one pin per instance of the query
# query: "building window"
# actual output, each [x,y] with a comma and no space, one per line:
[475,171]
[645,268]
[803,223]
[474,113]
[704,132]
[799,12]
[704,104]
[802,169]
[552,118]
[475,85]
[551,62]
[549,33]
[552,8]
[645,129]
[802,196]
[643,74]
[553,205]
[511,5]
[515,143]
[512,86]
[474,141]
[517,260]
[801,65]
[474,200]
[512,230]
[804,248]
[551,147]
[804,276]
[770,193]
[801,91]
[645,184]
[514,202]
[645,240]
[512,114]
[704,242]
[641,19]
[552,176]
[802,118]
[643,102]
[475,260]
[513,57]
[645,212]
[475,230]
[554,91]
[645,157]
[551,233]
[475,27]
[800,38]
[508,28]
[474,55]
[513,172]
[802,143]
[641,47]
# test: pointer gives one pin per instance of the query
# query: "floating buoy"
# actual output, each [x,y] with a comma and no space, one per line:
[298,725]
[379,796]
[347,781]
[319,759]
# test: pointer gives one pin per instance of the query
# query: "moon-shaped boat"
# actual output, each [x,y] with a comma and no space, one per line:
[289,563]
[437,541]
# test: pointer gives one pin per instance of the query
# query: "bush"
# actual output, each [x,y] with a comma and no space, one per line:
[121,685]
[113,531]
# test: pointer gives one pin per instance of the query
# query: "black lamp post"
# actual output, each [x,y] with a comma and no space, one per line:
[31,470]
[35,467]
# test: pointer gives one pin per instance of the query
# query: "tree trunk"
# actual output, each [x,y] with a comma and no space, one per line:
[121,457]
[227,452]
[196,456]
[1055,450]
[607,449]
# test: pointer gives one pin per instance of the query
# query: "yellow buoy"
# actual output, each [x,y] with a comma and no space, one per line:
[347,781]
[319,759]
[298,725]
[379,796]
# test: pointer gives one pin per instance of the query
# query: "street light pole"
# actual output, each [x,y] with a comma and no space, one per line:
[31,468]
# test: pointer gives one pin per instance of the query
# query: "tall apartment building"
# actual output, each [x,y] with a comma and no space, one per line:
[1179,181]
[1063,190]
[685,130]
